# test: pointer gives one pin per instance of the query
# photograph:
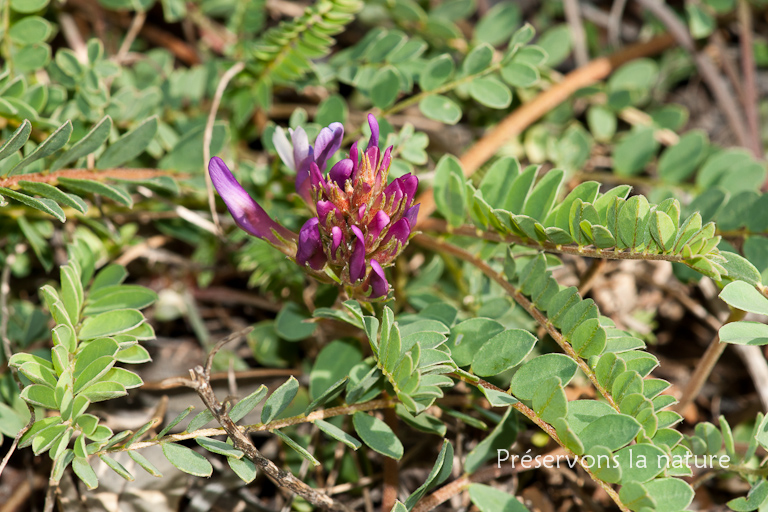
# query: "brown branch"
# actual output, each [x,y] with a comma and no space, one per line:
[441,226]
[705,366]
[391,470]
[85,174]
[437,245]
[704,64]
[243,443]
[530,112]
[751,107]
[255,373]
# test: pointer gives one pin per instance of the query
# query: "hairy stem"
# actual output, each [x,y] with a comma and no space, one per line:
[441,226]
[522,300]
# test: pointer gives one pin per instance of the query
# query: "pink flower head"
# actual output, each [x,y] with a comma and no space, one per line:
[362,223]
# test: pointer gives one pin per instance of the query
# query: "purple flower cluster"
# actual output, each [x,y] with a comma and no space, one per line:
[362,222]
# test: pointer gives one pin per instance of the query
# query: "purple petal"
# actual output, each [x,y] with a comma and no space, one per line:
[377,224]
[374,124]
[310,247]
[302,173]
[315,176]
[378,281]
[341,172]
[412,215]
[247,213]
[357,260]
[386,159]
[400,231]
[394,189]
[337,238]
[373,157]
[324,208]
[361,211]
[410,184]
[327,143]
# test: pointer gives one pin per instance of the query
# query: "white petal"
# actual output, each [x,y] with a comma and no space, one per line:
[283,147]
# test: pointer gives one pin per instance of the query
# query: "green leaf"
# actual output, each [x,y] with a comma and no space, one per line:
[490,91]
[93,371]
[436,72]
[502,352]
[519,74]
[291,325]
[87,145]
[450,196]
[103,391]
[744,333]
[175,421]
[142,461]
[602,122]
[336,433]
[49,146]
[497,24]
[220,447]
[478,60]
[30,30]
[110,323]
[640,462]
[739,267]
[53,193]
[187,460]
[633,222]
[243,468]
[634,152]
[440,108]
[244,406]
[110,275]
[279,400]
[502,437]
[755,498]
[498,181]
[489,499]
[541,199]
[38,394]
[670,494]
[17,140]
[557,43]
[117,467]
[636,497]
[613,431]
[549,400]
[332,364]
[741,295]
[296,447]
[663,230]
[377,435]
[385,88]
[589,338]
[678,162]
[535,372]
[119,297]
[603,465]
[441,470]
[85,472]
[44,205]
[114,192]
[129,146]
